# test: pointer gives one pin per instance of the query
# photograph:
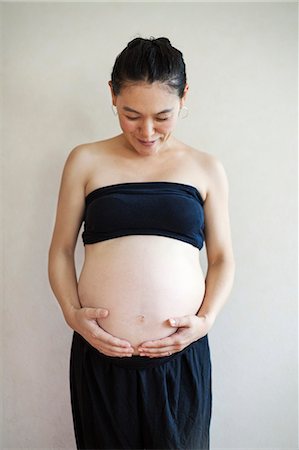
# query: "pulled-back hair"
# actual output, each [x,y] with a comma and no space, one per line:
[149,60]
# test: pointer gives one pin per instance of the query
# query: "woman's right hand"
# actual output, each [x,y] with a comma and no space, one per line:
[84,322]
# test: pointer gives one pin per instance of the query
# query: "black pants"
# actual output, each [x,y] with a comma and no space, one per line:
[140,402]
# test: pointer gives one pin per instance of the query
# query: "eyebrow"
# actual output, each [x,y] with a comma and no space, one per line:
[127,108]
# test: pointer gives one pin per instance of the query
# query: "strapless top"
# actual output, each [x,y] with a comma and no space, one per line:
[162,208]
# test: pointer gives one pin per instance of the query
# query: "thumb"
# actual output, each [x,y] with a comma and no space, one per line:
[96,313]
[179,321]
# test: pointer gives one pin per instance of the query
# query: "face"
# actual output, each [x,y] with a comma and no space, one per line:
[147,115]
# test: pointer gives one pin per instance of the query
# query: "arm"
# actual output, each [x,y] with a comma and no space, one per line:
[221,265]
[61,263]
[220,273]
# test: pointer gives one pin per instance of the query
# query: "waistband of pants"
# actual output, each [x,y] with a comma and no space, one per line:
[137,361]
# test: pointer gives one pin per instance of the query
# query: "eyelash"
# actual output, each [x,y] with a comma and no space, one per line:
[136,118]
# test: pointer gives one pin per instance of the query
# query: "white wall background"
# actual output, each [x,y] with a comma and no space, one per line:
[242,68]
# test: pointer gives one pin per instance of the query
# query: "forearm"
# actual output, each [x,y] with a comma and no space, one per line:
[219,282]
[63,281]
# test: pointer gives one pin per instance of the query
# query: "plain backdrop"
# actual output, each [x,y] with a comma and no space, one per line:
[242,69]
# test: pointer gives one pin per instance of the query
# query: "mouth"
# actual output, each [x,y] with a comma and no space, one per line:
[147,143]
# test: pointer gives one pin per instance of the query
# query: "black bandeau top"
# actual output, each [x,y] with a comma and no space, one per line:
[162,208]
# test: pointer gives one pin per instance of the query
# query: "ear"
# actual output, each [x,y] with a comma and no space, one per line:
[112,93]
[183,99]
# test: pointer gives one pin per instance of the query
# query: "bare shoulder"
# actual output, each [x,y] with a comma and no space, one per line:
[83,157]
[210,168]
[206,160]
[87,152]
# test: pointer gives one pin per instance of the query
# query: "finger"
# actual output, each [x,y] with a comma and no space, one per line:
[165,351]
[96,313]
[115,351]
[111,350]
[183,321]
[155,350]
[117,355]
[108,340]
[114,348]
[160,353]
[169,341]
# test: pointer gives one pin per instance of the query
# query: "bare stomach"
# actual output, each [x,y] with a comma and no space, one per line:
[143,281]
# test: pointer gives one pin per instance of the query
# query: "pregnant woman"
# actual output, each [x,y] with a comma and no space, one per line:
[141,310]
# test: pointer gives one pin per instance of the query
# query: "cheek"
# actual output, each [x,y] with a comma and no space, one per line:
[168,126]
[127,126]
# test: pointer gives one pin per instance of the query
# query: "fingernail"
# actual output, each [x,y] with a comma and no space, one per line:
[172,321]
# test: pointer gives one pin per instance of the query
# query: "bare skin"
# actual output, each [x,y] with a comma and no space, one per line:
[131,287]
[141,280]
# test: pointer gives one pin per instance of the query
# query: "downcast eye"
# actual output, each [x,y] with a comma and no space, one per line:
[158,119]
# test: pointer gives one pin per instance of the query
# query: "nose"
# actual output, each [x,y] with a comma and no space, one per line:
[147,129]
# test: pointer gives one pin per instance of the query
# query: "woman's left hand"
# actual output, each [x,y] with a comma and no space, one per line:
[190,328]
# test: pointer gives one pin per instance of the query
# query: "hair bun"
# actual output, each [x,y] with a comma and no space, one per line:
[135,42]
[164,40]
[138,40]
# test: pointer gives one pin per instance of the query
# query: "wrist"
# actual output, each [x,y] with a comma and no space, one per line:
[208,317]
[69,315]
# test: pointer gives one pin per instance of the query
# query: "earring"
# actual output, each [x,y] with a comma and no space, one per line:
[114,110]
[186,114]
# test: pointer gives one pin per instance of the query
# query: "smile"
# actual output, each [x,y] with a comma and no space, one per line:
[147,143]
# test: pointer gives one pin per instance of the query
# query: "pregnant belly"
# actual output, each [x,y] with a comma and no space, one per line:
[143,281]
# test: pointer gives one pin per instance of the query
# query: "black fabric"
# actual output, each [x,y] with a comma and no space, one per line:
[141,402]
[161,208]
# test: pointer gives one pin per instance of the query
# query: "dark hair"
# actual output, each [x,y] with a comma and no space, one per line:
[149,60]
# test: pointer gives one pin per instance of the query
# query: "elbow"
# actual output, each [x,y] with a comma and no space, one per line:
[52,261]
[231,268]
[57,249]
[222,259]
[57,254]
[225,262]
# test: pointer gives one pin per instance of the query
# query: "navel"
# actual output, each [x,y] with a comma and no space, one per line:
[141,318]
